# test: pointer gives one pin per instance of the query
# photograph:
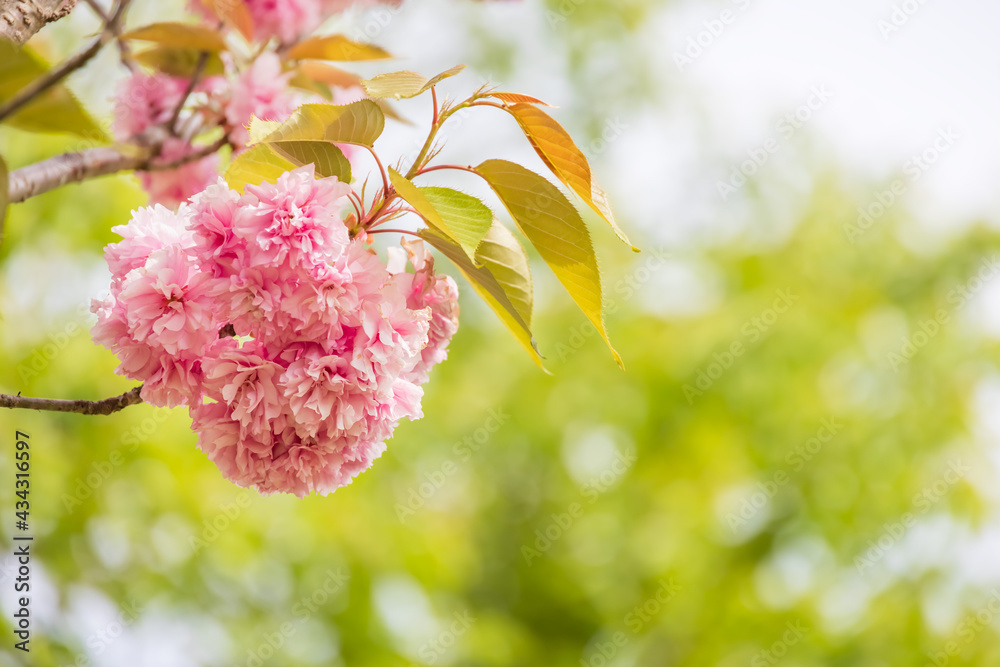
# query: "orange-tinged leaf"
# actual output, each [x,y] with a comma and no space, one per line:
[328,74]
[518,98]
[560,154]
[338,48]
[233,13]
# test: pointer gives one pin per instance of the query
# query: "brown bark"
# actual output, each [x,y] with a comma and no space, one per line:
[20,19]
[105,407]
[38,178]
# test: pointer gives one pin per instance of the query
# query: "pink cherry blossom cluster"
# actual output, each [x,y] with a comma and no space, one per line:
[145,101]
[295,348]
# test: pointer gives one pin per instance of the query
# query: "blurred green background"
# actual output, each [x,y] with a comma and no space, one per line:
[798,467]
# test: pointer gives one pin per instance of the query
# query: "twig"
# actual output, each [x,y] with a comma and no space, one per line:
[105,407]
[198,69]
[68,66]
[123,48]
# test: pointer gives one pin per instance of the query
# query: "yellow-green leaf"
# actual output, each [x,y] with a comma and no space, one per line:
[461,217]
[399,85]
[338,48]
[560,154]
[557,231]
[255,166]
[500,276]
[177,61]
[234,13]
[55,110]
[260,128]
[405,84]
[181,35]
[359,123]
[326,157]
[467,220]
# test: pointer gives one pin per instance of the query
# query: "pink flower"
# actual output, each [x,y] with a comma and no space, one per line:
[245,380]
[177,380]
[168,303]
[315,385]
[240,456]
[145,100]
[150,229]
[297,219]
[171,187]
[332,346]
[211,220]
[288,20]
[261,91]
[439,294]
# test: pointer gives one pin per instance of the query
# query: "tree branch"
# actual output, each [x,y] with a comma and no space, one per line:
[20,19]
[54,76]
[41,177]
[106,407]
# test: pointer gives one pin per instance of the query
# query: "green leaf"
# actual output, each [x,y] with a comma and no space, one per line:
[55,110]
[557,231]
[500,276]
[326,157]
[405,84]
[338,48]
[359,123]
[467,220]
[255,166]
[462,218]
[182,35]
[4,195]
[560,154]
[177,61]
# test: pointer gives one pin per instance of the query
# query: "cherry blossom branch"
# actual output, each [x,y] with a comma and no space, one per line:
[20,19]
[105,407]
[54,76]
[68,168]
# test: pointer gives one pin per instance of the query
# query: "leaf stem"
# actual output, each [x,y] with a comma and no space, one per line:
[104,407]
[385,177]
[438,167]
[439,120]
[394,231]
